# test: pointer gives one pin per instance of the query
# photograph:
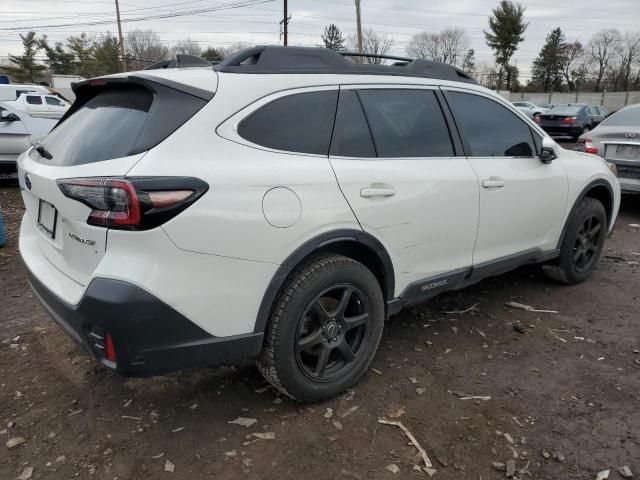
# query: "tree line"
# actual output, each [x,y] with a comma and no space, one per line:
[608,60]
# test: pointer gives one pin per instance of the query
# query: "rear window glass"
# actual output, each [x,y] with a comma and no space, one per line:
[406,123]
[565,110]
[629,117]
[300,123]
[34,100]
[105,127]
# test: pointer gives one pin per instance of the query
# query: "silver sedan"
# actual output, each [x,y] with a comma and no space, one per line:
[617,140]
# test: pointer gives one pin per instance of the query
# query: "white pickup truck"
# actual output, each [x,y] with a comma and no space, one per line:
[40,105]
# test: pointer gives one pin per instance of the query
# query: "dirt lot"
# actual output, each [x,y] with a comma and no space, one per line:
[568,388]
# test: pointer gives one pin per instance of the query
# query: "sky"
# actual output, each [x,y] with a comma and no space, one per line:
[219,23]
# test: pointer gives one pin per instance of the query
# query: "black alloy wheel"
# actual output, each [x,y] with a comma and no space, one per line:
[587,243]
[332,332]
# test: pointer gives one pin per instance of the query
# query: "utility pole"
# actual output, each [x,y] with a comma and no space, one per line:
[359,22]
[285,21]
[124,61]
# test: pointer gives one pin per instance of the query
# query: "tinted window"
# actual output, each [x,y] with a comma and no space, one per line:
[351,136]
[406,123]
[628,117]
[105,127]
[53,101]
[489,129]
[297,123]
[34,100]
[20,92]
[565,110]
[592,111]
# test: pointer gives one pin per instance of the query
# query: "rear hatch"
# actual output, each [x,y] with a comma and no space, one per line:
[110,127]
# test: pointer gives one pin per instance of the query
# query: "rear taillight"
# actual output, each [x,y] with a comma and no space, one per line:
[569,120]
[537,119]
[589,147]
[109,348]
[136,203]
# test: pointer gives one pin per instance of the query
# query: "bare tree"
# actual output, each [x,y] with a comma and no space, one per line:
[602,47]
[234,48]
[143,47]
[188,47]
[373,43]
[447,46]
[628,54]
[573,63]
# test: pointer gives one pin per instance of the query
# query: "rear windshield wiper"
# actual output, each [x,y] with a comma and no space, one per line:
[42,151]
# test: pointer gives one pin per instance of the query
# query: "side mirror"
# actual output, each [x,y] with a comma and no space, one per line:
[548,151]
[9,117]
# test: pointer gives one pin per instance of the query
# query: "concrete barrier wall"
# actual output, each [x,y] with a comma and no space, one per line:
[610,100]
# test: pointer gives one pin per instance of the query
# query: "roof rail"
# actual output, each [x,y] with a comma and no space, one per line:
[276,59]
[181,61]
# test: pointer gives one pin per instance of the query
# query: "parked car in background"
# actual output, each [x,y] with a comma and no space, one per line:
[617,139]
[530,108]
[40,106]
[18,131]
[571,119]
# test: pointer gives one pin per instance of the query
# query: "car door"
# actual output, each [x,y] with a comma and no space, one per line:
[522,200]
[34,105]
[55,107]
[396,163]
[595,117]
[14,137]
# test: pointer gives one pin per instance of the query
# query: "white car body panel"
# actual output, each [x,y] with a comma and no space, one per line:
[16,137]
[214,262]
[50,106]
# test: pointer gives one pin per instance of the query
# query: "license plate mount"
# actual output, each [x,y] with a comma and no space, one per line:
[628,151]
[47,218]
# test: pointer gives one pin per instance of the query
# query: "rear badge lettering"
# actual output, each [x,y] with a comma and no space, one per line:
[85,241]
[432,285]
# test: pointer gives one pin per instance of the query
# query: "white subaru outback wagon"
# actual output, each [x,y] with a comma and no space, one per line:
[284,203]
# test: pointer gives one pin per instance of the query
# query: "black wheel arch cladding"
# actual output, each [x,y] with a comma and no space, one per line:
[356,244]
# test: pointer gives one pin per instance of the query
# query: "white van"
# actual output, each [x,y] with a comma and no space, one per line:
[11,92]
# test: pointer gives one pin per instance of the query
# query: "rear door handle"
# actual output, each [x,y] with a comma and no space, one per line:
[377,192]
[493,182]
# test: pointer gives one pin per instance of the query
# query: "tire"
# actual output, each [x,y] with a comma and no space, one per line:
[330,311]
[582,244]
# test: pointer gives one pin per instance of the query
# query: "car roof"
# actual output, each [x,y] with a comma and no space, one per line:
[275,59]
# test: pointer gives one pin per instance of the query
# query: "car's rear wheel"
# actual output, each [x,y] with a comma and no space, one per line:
[582,244]
[324,329]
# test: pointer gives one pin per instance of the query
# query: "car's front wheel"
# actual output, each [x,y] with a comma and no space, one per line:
[324,329]
[582,244]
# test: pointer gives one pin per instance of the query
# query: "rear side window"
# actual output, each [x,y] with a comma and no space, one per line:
[406,123]
[351,136]
[114,121]
[488,128]
[53,101]
[33,100]
[299,123]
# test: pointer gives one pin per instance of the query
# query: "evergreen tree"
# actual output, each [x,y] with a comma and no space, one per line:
[332,38]
[58,59]
[106,56]
[212,54]
[548,67]
[83,50]
[507,27]
[26,69]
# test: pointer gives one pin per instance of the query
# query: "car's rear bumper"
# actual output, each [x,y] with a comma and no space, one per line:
[149,336]
[559,130]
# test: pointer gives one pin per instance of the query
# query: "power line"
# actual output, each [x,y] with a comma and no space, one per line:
[229,6]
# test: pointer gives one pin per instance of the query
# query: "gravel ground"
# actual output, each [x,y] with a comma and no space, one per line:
[559,400]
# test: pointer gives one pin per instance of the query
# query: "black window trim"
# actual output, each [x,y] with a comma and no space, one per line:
[533,128]
[228,128]
[456,143]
